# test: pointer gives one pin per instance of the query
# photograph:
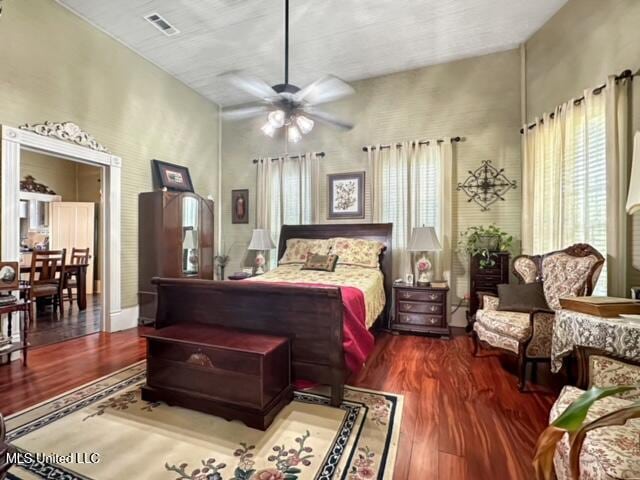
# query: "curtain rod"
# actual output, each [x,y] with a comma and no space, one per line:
[596,91]
[318,154]
[424,142]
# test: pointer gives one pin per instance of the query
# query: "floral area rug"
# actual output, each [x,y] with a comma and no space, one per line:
[104,430]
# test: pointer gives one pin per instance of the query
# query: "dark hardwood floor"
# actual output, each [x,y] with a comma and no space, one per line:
[49,327]
[463,416]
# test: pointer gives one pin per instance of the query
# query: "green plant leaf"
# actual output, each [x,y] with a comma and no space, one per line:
[571,419]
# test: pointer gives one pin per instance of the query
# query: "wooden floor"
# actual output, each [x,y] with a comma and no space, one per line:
[50,327]
[463,416]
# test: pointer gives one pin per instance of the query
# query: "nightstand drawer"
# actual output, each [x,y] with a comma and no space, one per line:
[419,296]
[410,307]
[416,319]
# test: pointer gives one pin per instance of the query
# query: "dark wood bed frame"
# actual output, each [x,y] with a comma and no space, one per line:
[311,317]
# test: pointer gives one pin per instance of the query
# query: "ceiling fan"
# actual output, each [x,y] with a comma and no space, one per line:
[287,105]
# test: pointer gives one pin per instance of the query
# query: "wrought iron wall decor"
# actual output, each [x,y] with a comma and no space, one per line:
[486,185]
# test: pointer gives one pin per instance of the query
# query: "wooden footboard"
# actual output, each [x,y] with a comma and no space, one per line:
[310,316]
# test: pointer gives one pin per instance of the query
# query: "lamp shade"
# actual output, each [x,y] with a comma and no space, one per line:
[261,240]
[189,240]
[424,239]
[633,199]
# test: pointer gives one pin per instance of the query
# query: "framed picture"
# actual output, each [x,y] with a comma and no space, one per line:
[172,177]
[346,195]
[239,206]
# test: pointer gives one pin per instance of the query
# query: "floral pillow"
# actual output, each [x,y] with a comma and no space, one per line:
[298,248]
[357,251]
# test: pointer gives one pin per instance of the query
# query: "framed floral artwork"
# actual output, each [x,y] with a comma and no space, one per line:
[172,177]
[346,195]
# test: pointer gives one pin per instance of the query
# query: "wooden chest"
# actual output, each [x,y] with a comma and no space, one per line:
[486,279]
[229,373]
[420,309]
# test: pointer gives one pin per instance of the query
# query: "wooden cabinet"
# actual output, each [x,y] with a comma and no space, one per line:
[420,309]
[175,239]
[486,279]
[233,374]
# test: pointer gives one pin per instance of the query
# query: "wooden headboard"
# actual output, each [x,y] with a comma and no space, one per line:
[381,232]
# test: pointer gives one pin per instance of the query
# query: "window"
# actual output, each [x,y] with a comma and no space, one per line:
[570,180]
[408,193]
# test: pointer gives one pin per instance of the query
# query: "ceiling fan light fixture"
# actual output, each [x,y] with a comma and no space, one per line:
[268,129]
[277,118]
[305,124]
[294,134]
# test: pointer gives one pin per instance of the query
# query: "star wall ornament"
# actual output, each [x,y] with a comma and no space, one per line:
[486,185]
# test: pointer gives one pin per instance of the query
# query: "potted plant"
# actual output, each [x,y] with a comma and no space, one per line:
[574,422]
[485,241]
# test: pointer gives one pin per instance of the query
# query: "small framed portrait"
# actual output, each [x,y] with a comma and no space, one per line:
[346,195]
[239,206]
[172,177]
[9,276]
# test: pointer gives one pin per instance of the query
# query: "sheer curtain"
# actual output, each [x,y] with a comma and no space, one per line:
[411,187]
[565,174]
[287,193]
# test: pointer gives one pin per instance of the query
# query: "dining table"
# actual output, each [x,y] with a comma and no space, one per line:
[80,272]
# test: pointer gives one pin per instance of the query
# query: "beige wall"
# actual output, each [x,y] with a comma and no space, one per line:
[586,41]
[477,98]
[56,173]
[55,66]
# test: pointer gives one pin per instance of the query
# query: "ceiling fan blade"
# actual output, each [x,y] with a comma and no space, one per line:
[327,118]
[323,90]
[250,84]
[247,111]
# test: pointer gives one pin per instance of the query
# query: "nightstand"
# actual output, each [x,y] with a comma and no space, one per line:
[420,309]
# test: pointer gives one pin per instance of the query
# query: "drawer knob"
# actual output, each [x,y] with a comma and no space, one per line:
[434,308]
[406,295]
[433,296]
[408,306]
[200,359]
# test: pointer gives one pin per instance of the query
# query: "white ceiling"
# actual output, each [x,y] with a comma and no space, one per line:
[352,39]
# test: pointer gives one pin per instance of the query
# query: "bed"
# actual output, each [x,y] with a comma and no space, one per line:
[311,314]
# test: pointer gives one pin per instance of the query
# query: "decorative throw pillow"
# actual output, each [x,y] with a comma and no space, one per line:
[298,248]
[357,251]
[524,297]
[324,263]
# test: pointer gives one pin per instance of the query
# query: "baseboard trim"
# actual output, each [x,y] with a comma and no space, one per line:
[124,319]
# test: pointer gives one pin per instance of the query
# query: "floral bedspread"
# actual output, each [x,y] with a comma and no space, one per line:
[369,281]
[614,335]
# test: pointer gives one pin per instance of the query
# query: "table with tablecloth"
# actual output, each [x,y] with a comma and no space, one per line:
[616,335]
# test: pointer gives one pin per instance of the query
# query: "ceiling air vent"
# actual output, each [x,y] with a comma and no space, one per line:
[161,24]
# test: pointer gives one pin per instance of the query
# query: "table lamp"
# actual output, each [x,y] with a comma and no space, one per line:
[424,239]
[190,244]
[261,240]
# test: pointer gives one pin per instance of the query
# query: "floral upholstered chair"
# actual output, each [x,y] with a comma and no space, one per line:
[573,271]
[611,452]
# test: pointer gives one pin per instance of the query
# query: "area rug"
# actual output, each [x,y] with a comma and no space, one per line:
[104,430]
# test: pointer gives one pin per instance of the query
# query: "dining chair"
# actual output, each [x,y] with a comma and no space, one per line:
[79,256]
[46,278]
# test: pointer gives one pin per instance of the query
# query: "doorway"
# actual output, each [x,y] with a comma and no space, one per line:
[69,142]
[60,208]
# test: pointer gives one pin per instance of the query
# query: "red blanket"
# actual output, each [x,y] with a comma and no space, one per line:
[357,341]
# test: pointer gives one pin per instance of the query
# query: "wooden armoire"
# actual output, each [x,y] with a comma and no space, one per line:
[175,240]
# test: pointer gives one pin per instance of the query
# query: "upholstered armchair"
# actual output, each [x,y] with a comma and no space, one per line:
[573,271]
[607,452]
